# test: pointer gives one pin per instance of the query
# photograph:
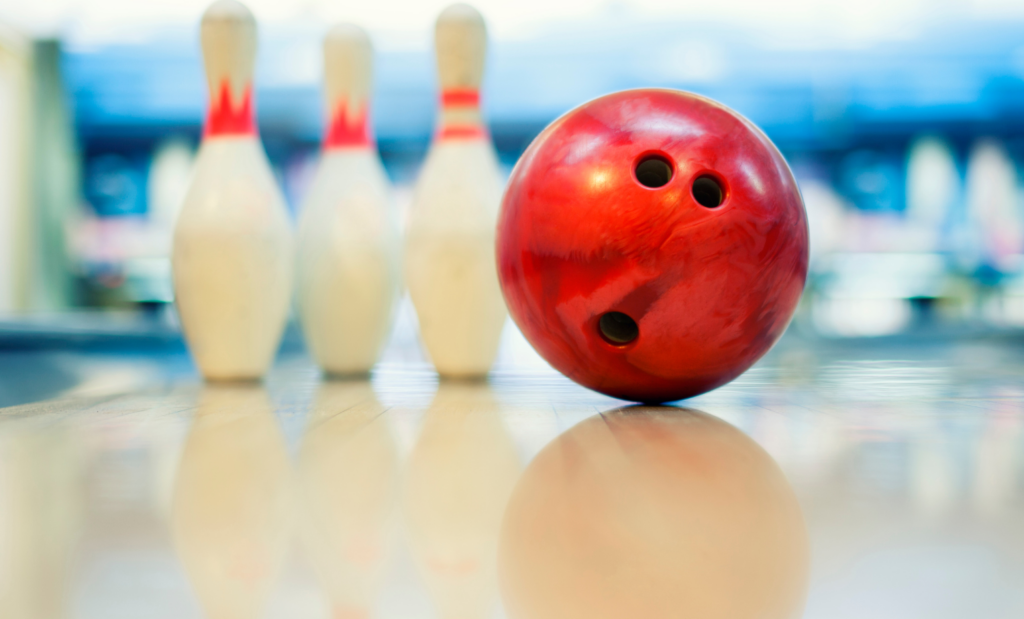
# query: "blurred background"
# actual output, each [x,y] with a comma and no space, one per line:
[903,121]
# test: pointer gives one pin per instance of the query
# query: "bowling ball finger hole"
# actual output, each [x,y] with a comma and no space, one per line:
[707,191]
[653,172]
[617,328]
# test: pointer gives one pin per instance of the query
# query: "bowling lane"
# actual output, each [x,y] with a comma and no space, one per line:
[129,489]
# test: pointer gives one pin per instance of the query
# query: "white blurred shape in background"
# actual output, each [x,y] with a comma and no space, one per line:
[826,217]
[169,176]
[933,187]
[148,270]
[861,317]
[993,206]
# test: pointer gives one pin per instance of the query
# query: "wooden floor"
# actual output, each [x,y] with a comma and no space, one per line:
[129,489]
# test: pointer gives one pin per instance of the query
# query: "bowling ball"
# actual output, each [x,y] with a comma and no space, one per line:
[652,244]
[653,512]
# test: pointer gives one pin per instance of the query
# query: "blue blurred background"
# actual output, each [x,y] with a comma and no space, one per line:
[903,121]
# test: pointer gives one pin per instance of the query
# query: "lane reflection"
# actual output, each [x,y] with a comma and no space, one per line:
[348,480]
[653,512]
[231,509]
[459,477]
[41,520]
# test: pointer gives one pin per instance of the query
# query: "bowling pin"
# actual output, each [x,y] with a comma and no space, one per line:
[449,262]
[232,258]
[231,509]
[348,238]
[349,487]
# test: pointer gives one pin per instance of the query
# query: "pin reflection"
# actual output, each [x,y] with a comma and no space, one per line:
[460,475]
[231,509]
[348,480]
[41,520]
[653,512]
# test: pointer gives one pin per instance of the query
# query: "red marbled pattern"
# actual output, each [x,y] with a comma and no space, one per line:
[711,289]
[347,130]
[227,118]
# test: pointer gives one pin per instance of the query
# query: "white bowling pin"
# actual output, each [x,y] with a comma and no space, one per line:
[449,263]
[349,485]
[348,238]
[232,256]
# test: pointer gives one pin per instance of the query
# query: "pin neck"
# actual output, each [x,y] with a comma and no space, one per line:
[348,127]
[229,117]
[460,114]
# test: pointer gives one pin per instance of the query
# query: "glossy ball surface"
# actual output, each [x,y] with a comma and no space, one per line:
[652,244]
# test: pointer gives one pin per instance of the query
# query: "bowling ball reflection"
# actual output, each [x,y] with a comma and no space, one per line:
[653,512]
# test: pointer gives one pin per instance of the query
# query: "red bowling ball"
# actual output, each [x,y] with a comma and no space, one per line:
[652,244]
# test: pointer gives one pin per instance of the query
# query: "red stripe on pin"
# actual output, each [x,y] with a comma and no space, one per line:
[461,132]
[225,118]
[348,130]
[460,97]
